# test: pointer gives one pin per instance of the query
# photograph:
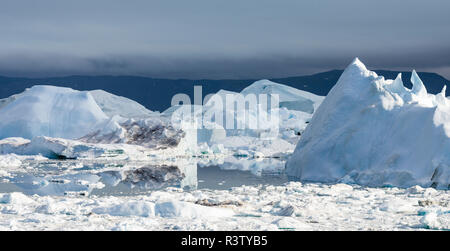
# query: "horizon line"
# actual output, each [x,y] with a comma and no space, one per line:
[208,79]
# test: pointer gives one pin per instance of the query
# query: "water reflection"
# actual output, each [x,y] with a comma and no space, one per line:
[75,177]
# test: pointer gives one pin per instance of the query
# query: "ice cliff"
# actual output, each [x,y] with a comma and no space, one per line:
[374,131]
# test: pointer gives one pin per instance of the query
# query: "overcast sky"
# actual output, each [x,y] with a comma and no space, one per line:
[220,38]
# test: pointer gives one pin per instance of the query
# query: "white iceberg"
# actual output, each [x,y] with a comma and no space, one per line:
[290,97]
[376,132]
[113,105]
[50,111]
[218,124]
[51,116]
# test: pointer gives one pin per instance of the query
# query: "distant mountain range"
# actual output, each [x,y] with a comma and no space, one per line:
[156,94]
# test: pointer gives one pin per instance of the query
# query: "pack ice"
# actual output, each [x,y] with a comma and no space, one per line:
[376,132]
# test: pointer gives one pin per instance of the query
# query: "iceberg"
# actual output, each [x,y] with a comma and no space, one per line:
[290,98]
[54,121]
[65,113]
[155,133]
[50,111]
[294,113]
[113,105]
[376,132]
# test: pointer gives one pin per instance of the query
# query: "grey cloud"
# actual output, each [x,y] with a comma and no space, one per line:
[218,68]
[220,39]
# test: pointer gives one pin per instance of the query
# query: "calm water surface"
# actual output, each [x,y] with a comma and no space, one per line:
[103,178]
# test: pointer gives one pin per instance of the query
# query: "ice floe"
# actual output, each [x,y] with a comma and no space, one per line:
[292,206]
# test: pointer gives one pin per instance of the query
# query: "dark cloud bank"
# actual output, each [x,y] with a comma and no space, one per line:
[220,39]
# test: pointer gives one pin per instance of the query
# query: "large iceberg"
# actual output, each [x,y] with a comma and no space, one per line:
[50,111]
[376,132]
[55,121]
[294,110]
[63,112]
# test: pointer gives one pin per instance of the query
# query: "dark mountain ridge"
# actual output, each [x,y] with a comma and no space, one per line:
[156,94]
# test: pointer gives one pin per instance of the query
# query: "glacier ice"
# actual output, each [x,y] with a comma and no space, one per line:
[104,118]
[65,113]
[50,111]
[376,132]
[48,114]
[155,132]
[290,98]
[113,105]
[294,112]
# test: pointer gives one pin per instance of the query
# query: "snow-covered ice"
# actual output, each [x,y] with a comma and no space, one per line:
[376,132]
[294,113]
[290,98]
[95,117]
[50,111]
[48,114]
[292,206]
[113,105]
